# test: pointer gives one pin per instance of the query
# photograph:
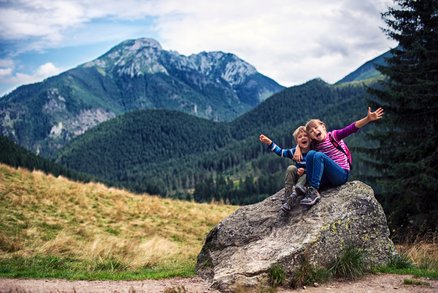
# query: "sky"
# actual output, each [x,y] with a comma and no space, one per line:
[290,41]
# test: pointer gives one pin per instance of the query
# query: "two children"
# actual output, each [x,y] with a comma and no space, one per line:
[328,161]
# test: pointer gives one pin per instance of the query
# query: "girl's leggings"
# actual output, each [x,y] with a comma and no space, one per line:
[323,171]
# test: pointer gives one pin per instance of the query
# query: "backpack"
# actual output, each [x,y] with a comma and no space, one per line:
[344,150]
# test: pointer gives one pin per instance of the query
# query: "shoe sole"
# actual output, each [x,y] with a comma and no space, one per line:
[311,203]
[286,210]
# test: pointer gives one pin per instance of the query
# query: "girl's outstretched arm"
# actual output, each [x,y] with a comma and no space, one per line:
[298,154]
[371,116]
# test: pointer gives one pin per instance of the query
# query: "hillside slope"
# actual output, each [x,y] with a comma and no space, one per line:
[367,71]
[89,227]
[161,151]
[16,156]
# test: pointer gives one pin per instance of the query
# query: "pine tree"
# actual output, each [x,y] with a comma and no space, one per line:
[408,136]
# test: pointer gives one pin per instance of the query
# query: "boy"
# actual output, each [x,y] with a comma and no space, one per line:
[295,179]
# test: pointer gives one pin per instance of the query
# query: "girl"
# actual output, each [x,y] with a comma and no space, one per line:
[328,163]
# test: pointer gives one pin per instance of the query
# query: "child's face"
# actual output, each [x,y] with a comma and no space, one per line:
[303,140]
[317,132]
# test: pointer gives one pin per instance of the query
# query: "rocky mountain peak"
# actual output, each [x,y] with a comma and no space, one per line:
[133,58]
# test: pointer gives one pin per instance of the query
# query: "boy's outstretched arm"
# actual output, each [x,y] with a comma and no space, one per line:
[371,116]
[264,139]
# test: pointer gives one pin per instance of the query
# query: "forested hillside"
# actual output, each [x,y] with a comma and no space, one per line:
[17,156]
[172,153]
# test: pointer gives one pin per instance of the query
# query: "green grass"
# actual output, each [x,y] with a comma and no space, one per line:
[415,282]
[276,276]
[73,269]
[401,264]
[414,271]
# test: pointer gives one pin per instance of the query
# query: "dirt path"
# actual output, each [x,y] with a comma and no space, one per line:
[369,284]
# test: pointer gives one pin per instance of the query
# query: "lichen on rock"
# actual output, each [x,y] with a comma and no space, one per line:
[241,249]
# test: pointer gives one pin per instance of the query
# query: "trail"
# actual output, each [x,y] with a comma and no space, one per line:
[369,284]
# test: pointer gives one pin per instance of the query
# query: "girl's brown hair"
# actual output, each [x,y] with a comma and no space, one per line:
[313,123]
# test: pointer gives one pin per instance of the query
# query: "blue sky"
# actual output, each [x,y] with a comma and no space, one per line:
[290,41]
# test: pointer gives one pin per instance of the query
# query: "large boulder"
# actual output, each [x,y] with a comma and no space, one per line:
[241,250]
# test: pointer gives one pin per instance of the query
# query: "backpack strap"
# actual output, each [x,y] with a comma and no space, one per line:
[336,144]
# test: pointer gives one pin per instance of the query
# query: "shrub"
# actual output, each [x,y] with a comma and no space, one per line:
[400,261]
[309,274]
[350,264]
[276,275]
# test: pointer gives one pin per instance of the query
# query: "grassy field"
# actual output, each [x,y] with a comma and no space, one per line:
[53,227]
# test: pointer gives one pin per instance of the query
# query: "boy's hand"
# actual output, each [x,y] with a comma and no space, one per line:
[298,156]
[263,138]
[376,115]
[300,171]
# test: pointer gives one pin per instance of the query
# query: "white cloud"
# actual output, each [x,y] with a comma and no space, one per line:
[5,72]
[290,41]
[9,76]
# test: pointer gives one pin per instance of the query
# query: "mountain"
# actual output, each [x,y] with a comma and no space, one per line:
[136,74]
[368,70]
[166,152]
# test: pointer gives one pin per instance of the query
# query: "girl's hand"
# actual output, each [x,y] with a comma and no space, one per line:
[298,156]
[376,115]
[300,171]
[264,139]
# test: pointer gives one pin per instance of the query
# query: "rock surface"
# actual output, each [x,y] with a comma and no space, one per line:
[241,249]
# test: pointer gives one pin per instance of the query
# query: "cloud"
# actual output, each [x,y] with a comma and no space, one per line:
[9,76]
[290,41]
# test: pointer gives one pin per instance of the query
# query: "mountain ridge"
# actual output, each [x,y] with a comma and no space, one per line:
[366,71]
[136,74]
[161,152]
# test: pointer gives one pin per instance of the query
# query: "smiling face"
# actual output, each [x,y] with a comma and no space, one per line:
[316,130]
[303,140]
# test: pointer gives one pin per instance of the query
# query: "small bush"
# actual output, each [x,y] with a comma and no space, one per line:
[350,264]
[276,276]
[400,261]
[308,274]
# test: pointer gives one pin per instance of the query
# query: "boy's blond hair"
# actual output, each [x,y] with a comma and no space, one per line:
[298,130]
[314,122]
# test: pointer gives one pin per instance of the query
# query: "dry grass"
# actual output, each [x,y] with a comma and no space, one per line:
[45,215]
[423,255]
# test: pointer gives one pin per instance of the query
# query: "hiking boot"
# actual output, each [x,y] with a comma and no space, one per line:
[290,202]
[312,197]
[300,190]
